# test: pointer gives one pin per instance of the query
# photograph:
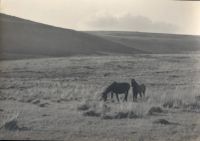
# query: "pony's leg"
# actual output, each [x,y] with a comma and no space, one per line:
[140,94]
[112,97]
[134,97]
[117,97]
[126,96]
[133,94]
[143,94]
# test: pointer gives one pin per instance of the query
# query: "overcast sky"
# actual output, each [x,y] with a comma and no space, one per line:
[133,15]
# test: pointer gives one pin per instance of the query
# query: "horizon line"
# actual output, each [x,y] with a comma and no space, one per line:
[98,30]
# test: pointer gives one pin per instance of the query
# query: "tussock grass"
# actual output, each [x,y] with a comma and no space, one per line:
[124,110]
[83,106]
[155,110]
[162,121]
[129,114]
[91,113]
[182,99]
[173,103]
[12,124]
[154,103]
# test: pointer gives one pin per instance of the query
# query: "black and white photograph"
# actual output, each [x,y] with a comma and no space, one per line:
[100,70]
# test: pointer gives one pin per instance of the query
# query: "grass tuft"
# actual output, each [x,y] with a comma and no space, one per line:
[91,113]
[155,110]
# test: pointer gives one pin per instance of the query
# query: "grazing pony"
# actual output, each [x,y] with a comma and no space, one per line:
[137,89]
[117,88]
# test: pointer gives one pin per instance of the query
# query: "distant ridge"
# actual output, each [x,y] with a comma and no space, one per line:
[158,43]
[24,39]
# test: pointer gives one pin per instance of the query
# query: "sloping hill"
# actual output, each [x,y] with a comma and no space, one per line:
[25,38]
[153,42]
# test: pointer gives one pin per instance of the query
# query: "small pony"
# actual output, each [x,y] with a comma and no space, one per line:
[137,89]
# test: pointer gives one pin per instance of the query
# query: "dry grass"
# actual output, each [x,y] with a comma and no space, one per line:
[151,105]
[72,92]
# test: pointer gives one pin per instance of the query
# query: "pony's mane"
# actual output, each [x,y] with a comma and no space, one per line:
[134,83]
[109,87]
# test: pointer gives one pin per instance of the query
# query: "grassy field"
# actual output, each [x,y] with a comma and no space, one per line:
[59,98]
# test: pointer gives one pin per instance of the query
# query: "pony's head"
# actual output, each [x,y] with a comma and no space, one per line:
[104,96]
[106,91]
[133,82]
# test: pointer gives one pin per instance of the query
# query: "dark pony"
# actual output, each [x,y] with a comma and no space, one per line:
[137,89]
[117,88]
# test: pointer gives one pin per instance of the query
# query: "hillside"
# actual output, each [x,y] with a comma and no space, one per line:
[22,38]
[153,42]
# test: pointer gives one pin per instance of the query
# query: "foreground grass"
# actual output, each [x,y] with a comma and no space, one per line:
[67,91]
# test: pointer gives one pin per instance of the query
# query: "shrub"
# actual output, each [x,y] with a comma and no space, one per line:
[84,106]
[91,113]
[122,115]
[162,121]
[154,110]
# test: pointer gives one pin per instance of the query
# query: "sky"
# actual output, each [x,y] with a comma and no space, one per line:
[167,16]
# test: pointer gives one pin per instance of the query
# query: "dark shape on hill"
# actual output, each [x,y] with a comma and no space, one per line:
[22,38]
